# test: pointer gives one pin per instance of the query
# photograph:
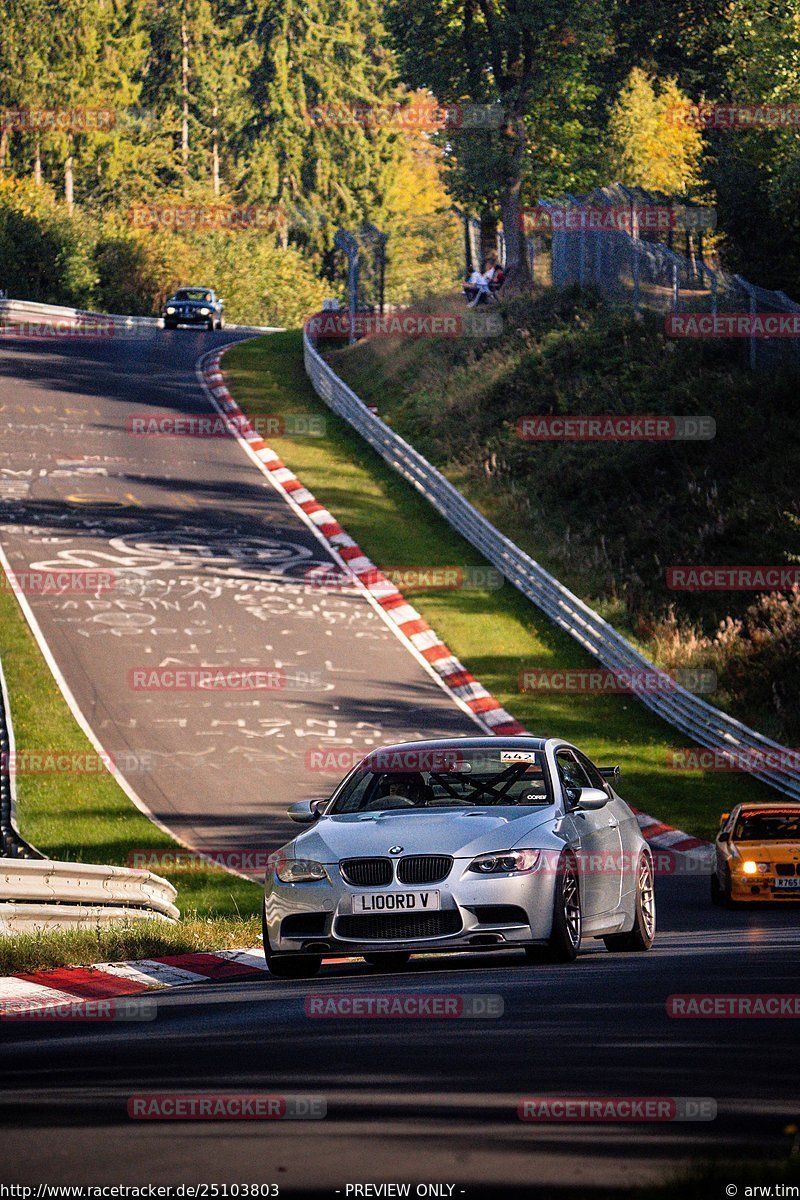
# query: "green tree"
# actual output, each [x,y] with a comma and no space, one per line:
[25,35]
[223,56]
[321,142]
[531,59]
[756,173]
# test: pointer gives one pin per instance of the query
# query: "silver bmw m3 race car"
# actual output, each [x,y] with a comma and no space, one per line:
[461,844]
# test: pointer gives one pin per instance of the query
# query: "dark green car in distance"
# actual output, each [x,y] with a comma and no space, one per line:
[194,306]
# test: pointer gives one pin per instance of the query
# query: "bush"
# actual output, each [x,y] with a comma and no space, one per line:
[46,254]
[57,257]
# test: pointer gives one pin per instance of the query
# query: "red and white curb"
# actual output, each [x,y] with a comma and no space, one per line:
[412,628]
[408,623]
[65,987]
[665,837]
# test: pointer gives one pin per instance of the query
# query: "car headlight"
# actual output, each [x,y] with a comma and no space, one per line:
[170,311]
[204,312]
[300,870]
[505,862]
[754,868]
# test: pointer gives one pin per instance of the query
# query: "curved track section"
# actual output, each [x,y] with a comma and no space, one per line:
[208,568]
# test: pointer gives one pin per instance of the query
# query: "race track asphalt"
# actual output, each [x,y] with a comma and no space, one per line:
[210,568]
[429,1099]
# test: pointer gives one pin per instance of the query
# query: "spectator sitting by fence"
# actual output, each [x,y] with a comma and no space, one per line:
[475,287]
[494,274]
[482,287]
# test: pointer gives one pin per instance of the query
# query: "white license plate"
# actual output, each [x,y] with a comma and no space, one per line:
[789,885]
[373,902]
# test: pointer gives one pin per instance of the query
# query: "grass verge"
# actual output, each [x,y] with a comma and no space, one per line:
[128,940]
[495,633]
[608,518]
[88,818]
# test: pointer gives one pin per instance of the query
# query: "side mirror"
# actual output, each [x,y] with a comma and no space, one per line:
[590,799]
[303,812]
[724,837]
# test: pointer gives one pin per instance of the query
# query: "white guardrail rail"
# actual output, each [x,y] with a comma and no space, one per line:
[36,313]
[40,893]
[702,722]
[31,310]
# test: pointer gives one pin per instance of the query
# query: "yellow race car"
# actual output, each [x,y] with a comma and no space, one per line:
[758,854]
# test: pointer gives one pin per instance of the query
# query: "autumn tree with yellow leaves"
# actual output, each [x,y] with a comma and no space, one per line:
[654,142]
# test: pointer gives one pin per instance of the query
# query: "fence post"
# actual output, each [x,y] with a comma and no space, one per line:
[676,288]
[345,241]
[635,273]
[714,285]
[749,290]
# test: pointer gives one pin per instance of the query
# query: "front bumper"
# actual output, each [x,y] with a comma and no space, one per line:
[756,889]
[194,318]
[475,913]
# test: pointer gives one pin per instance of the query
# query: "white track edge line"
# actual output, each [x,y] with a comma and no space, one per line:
[331,550]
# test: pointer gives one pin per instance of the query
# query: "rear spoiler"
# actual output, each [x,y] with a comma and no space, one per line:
[609,773]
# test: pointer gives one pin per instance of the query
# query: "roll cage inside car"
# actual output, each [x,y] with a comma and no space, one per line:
[478,790]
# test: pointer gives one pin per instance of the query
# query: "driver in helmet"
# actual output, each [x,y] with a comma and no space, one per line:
[408,786]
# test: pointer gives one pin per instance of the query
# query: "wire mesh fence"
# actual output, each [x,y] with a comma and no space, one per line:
[597,240]
[621,241]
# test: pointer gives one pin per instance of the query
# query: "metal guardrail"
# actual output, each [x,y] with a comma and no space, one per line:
[33,310]
[36,891]
[57,886]
[57,312]
[30,918]
[690,714]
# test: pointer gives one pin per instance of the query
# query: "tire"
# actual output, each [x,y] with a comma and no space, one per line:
[170,325]
[211,324]
[288,966]
[727,896]
[642,936]
[565,937]
[221,323]
[717,894]
[388,960]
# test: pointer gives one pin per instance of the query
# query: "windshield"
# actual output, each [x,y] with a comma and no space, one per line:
[768,827]
[458,779]
[192,294]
